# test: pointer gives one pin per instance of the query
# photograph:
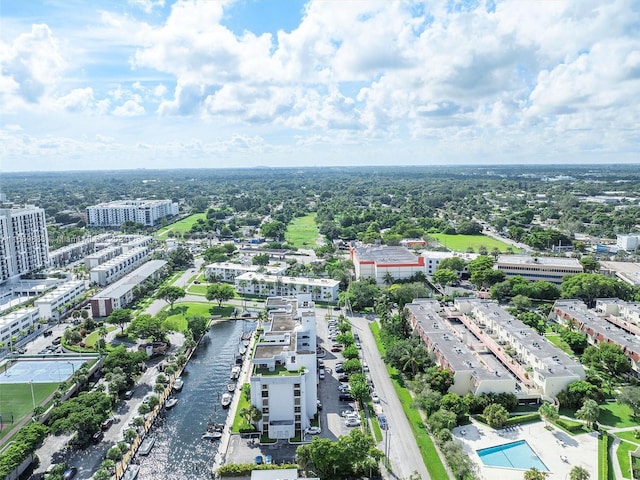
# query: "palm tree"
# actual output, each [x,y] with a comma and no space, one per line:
[579,473]
[535,474]
[388,279]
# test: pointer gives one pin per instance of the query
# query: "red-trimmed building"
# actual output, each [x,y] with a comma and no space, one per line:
[381,261]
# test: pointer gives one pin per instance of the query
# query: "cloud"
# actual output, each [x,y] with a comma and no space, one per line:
[130,108]
[147,5]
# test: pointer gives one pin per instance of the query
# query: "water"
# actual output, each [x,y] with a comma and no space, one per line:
[512,455]
[179,452]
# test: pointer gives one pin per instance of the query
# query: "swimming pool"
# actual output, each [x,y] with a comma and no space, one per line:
[512,455]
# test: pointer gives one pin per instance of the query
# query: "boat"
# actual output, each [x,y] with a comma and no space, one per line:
[146,445]
[235,372]
[226,400]
[215,427]
[132,472]
[178,384]
[171,403]
[242,349]
[211,435]
[231,387]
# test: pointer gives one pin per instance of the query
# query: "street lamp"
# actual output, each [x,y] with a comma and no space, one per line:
[33,398]
[73,368]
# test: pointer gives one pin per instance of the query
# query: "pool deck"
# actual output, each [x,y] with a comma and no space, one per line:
[558,450]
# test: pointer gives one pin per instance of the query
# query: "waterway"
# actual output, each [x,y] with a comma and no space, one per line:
[179,452]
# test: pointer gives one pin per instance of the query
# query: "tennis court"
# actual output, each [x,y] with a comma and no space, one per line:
[40,371]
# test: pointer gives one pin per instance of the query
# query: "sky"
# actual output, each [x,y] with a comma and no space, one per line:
[117,84]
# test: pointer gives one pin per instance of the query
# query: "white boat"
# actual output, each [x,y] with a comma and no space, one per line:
[146,445]
[231,386]
[226,400]
[235,372]
[132,472]
[178,384]
[171,403]
[211,435]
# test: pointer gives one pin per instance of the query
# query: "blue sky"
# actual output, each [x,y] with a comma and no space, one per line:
[220,83]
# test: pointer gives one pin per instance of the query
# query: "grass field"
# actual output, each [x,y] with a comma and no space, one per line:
[302,232]
[616,415]
[460,243]
[93,337]
[181,227]
[16,400]
[559,342]
[177,321]
[623,457]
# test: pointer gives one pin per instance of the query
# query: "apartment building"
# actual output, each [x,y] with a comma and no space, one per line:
[538,364]
[55,303]
[628,272]
[119,266]
[380,262]
[102,256]
[227,272]
[146,212]
[24,243]
[548,269]
[71,253]
[474,371]
[612,321]
[320,289]
[18,323]
[432,259]
[284,383]
[628,243]
[121,293]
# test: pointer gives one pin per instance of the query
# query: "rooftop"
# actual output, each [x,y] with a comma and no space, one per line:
[548,261]
[385,254]
[132,279]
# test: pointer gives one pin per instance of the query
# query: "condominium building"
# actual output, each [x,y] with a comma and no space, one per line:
[628,243]
[227,272]
[121,293]
[18,323]
[549,269]
[432,259]
[114,214]
[102,256]
[24,243]
[71,253]
[320,289]
[474,371]
[612,321]
[384,262]
[284,381]
[532,359]
[55,303]
[119,266]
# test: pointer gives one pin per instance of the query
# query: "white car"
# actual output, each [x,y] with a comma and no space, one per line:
[375,398]
[348,413]
[312,431]
[352,422]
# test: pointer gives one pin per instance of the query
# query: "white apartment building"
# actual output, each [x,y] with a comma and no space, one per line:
[24,243]
[63,297]
[119,266]
[227,272]
[473,372]
[628,243]
[18,323]
[548,269]
[120,294]
[530,357]
[284,382]
[71,253]
[432,259]
[320,289]
[114,214]
[102,256]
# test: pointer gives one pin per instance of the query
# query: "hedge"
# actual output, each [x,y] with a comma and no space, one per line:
[244,469]
[24,443]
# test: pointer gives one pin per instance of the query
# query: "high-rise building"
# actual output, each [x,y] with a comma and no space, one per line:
[24,243]
[114,214]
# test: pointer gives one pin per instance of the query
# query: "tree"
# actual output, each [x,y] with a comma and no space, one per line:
[362,294]
[439,379]
[180,258]
[535,474]
[359,387]
[608,359]
[273,230]
[220,292]
[589,286]
[579,473]
[146,326]
[441,420]
[197,324]
[120,317]
[521,302]
[589,264]
[577,341]
[548,411]
[456,404]
[495,415]
[630,396]
[261,259]
[251,414]
[589,412]
[444,276]
[456,264]
[171,294]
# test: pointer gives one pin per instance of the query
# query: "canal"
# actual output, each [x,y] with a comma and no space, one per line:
[179,452]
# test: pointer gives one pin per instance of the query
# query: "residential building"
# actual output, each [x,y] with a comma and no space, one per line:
[383,263]
[227,272]
[538,364]
[284,377]
[628,272]
[122,292]
[628,243]
[71,253]
[64,297]
[320,289]
[612,321]
[119,266]
[114,214]
[24,242]
[18,323]
[433,258]
[548,269]
[102,256]
[473,370]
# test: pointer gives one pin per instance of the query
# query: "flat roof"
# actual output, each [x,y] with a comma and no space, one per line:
[529,260]
[132,279]
[626,271]
[61,290]
[319,282]
[385,254]
[17,314]
[119,259]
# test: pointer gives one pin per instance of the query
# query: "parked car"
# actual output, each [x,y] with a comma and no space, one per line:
[321,374]
[345,397]
[107,423]
[319,404]
[352,422]
[312,431]
[335,349]
[268,460]
[128,394]
[338,369]
[346,413]
[382,421]
[259,460]
[374,397]
[98,436]
[320,363]
[69,473]
[343,377]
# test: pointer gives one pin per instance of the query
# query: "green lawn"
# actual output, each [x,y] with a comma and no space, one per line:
[628,436]
[460,243]
[623,457]
[302,232]
[559,342]
[603,456]
[181,227]
[92,338]
[177,321]
[616,415]
[16,400]
[197,290]
[239,420]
